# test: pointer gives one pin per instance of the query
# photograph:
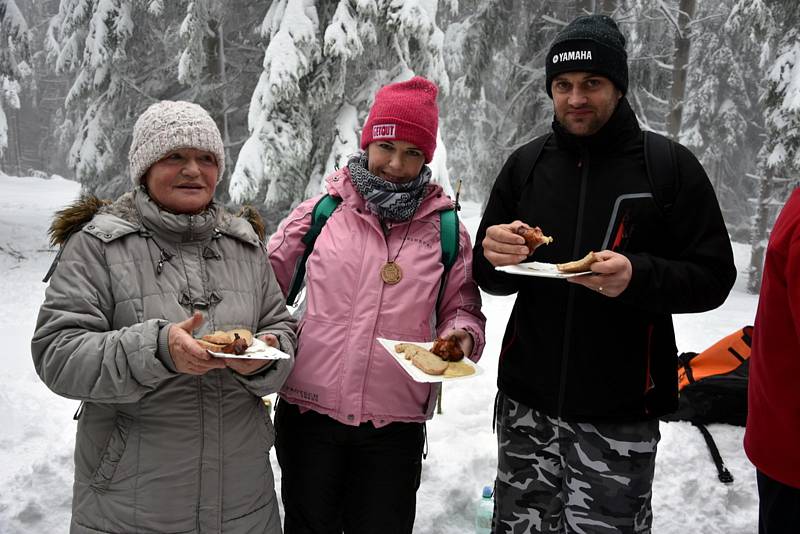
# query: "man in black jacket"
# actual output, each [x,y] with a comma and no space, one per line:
[588,364]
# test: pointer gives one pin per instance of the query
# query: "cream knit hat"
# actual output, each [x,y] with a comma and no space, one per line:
[168,125]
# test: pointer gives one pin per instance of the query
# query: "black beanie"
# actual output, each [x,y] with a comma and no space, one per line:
[590,43]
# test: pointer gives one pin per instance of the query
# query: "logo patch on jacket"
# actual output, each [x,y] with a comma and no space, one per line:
[380,131]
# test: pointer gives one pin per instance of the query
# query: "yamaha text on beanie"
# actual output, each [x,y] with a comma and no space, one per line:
[404,111]
[590,43]
[168,125]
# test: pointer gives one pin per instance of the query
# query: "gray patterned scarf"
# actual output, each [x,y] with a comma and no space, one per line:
[388,200]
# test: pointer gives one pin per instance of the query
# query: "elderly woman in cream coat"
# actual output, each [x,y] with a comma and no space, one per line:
[170,438]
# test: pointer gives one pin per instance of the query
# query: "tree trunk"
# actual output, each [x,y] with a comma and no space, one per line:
[680,61]
[758,240]
[215,51]
[223,79]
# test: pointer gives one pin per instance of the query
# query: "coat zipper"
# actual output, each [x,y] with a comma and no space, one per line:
[385,235]
[584,175]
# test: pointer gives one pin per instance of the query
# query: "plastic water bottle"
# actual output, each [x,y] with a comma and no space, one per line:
[484,512]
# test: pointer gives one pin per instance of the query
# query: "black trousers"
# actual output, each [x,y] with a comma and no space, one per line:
[778,506]
[339,478]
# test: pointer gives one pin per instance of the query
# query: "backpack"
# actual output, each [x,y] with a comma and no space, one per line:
[713,389]
[323,209]
[660,163]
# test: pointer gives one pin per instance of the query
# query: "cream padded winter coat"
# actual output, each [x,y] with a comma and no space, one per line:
[158,451]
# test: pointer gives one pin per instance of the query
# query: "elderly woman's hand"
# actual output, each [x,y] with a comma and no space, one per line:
[188,355]
[249,367]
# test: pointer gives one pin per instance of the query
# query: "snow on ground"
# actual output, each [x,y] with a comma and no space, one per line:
[37,429]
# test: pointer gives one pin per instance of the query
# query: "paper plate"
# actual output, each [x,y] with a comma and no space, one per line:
[418,374]
[537,268]
[257,351]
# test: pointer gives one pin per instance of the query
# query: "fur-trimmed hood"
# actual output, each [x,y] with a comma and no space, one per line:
[75,216]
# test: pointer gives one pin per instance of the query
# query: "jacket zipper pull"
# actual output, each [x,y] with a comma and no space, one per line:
[79,412]
[164,256]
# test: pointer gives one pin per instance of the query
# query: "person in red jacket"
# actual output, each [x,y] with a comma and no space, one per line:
[772,438]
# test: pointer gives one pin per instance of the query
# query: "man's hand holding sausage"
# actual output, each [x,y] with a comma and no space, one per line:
[611,274]
[503,245]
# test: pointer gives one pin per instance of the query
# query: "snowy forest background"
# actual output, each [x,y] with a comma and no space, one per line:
[289,82]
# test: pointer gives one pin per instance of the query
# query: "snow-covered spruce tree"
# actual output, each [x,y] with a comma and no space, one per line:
[116,77]
[775,27]
[219,65]
[490,85]
[14,54]
[684,34]
[496,53]
[650,29]
[322,64]
[722,118]
[127,54]
[496,60]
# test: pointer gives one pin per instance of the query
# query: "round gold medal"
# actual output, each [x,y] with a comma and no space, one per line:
[391,273]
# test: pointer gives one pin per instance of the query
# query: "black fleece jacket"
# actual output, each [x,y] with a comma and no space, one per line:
[575,353]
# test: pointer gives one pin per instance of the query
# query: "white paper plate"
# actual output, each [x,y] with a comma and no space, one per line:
[415,372]
[537,268]
[257,351]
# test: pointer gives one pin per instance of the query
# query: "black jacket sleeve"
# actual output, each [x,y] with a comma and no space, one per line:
[700,271]
[500,209]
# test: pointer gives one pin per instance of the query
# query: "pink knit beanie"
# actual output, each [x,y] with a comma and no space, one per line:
[404,111]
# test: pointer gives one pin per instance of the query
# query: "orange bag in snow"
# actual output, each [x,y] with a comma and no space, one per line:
[713,389]
[721,358]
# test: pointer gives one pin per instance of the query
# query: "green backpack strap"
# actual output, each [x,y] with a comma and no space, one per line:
[448,236]
[319,216]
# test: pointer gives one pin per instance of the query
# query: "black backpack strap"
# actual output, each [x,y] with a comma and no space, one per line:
[684,361]
[724,475]
[319,216]
[662,169]
[747,335]
[534,149]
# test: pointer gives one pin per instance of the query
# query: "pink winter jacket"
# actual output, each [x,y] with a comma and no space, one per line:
[341,370]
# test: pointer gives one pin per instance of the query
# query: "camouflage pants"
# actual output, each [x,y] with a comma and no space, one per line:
[554,476]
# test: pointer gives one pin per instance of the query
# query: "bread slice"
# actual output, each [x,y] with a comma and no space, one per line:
[429,363]
[407,349]
[422,359]
[219,338]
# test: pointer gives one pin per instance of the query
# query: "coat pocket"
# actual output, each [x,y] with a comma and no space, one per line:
[112,453]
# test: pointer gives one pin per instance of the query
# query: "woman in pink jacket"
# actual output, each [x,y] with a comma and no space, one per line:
[350,422]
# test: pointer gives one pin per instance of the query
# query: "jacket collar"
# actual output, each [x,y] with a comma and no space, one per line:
[621,127]
[175,227]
